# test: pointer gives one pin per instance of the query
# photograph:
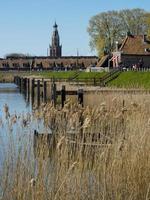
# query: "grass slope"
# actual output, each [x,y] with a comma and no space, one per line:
[90,75]
[132,80]
[59,75]
[68,74]
[54,74]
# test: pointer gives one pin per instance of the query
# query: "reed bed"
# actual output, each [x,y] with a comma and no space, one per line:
[96,153]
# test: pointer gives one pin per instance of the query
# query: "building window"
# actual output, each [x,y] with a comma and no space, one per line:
[26,65]
[15,64]
[5,65]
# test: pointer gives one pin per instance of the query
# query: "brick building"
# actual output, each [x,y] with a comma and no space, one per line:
[55,60]
[72,62]
[134,50]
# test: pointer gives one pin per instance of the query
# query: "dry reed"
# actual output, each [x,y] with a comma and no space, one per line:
[99,153]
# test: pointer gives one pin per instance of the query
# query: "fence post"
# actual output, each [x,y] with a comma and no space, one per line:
[38,93]
[80,96]
[63,95]
[45,91]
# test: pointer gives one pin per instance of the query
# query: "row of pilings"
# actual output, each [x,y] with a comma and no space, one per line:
[39,91]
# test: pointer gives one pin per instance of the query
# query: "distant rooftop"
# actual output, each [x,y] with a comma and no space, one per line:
[48,57]
[136,44]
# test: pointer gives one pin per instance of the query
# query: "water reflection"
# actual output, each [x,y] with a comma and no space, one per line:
[20,124]
[9,94]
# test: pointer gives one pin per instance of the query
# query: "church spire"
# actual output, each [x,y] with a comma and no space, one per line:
[55,48]
[55,25]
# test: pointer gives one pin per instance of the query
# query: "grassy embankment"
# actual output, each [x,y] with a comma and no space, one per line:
[8,76]
[70,74]
[124,80]
[88,169]
[132,80]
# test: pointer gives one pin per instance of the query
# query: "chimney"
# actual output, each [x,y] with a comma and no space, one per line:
[129,34]
[117,45]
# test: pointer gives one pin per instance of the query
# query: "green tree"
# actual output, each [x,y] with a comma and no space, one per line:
[147,22]
[108,27]
[133,21]
[104,29]
[18,55]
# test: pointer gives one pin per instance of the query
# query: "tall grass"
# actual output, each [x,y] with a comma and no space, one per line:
[98,153]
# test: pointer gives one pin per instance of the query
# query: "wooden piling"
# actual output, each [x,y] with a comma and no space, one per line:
[15,80]
[25,86]
[45,92]
[18,80]
[21,85]
[32,90]
[123,103]
[28,89]
[44,144]
[53,93]
[80,96]
[38,93]
[63,95]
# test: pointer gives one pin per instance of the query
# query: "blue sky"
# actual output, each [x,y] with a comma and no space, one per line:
[26,25]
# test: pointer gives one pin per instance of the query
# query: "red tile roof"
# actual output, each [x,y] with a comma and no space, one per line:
[135,45]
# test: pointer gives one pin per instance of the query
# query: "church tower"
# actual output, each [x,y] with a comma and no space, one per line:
[55,47]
